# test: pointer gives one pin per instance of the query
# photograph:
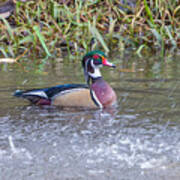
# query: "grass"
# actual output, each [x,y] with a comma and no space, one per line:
[51,27]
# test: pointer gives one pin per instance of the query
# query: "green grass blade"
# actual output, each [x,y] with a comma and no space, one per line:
[26,40]
[98,36]
[3,52]
[9,29]
[41,39]
[157,36]
[138,52]
[148,11]
[173,42]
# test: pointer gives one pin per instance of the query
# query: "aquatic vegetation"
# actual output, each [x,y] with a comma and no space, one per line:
[51,27]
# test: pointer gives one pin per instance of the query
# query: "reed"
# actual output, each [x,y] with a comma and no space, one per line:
[57,27]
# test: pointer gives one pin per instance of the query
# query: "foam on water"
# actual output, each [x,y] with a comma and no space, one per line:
[89,144]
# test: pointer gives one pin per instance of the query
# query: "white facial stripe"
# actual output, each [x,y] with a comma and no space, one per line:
[37,93]
[92,64]
[95,66]
[96,72]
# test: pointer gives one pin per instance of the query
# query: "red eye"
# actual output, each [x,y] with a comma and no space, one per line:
[95,56]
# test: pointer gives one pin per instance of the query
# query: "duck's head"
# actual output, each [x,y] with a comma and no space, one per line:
[91,63]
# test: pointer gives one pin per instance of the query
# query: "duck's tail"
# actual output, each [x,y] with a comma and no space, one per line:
[35,97]
[18,93]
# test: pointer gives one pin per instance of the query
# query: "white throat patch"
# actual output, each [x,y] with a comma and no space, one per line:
[96,72]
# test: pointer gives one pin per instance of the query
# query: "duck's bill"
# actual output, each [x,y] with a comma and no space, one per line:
[107,63]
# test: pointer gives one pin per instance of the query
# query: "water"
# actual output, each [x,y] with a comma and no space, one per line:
[139,139]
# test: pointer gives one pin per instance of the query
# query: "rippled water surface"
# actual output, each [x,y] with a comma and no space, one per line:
[139,139]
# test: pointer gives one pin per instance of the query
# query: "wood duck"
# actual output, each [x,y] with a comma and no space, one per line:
[96,93]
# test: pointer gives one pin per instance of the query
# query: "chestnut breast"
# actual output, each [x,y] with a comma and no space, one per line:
[104,93]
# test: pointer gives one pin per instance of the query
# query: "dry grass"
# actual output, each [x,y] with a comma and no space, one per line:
[51,27]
